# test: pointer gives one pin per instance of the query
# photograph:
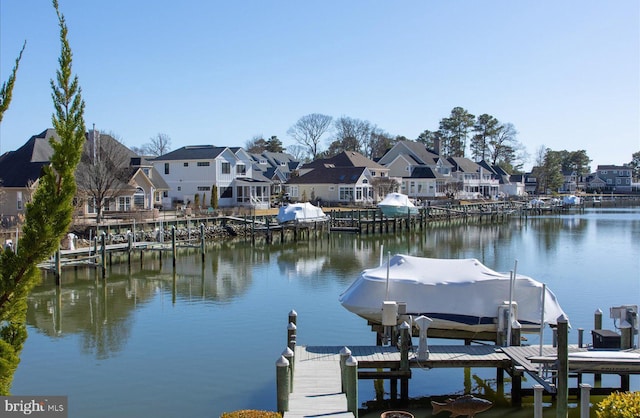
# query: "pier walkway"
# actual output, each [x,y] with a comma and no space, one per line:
[317,384]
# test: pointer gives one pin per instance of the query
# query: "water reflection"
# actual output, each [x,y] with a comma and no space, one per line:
[146,314]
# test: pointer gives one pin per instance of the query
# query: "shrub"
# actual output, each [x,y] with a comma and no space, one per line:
[250,413]
[619,405]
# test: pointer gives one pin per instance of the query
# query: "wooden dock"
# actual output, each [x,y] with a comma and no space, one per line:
[317,375]
[317,387]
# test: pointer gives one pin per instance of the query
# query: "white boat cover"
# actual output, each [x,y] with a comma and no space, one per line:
[460,293]
[571,200]
[397,199]
[301,212]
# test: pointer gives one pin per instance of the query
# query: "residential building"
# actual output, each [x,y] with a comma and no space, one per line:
[617,178]
[379,174]
[335,185]
[278,167]
[207,169]
[20,170]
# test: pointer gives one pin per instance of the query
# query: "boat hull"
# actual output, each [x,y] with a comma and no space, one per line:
[458,295]
[397,211]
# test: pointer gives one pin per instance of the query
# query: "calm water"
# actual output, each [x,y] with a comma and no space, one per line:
[204,339]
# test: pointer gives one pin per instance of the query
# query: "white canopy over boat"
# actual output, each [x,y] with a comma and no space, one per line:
[397,204]
[457,294]
[301,212]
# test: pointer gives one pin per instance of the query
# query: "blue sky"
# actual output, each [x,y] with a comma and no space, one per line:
[565,73]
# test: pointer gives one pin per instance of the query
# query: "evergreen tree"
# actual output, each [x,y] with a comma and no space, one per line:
[47,216]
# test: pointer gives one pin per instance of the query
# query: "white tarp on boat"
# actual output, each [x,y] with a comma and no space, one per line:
[397,199]
[460,293]
[571,200]
[301,212]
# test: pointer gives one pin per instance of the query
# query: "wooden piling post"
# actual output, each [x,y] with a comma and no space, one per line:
[562,395]
[173,244]
[585,391]
[597,319]
[57,266]
[293,317]
[103,252]
[537,401]
[288,354]
[405,345]
[291,333]
[345,353]
[129,248]
[202,240]
[351,379]
[282,384]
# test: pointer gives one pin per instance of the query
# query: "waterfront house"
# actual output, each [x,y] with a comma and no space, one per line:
[335,185]
[422,173]
[277,167]
[207,169]
[616,178]
[379,183]
[136,186]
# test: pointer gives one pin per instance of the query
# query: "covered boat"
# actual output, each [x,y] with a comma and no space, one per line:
[397,205]
[301,212]
[459,295]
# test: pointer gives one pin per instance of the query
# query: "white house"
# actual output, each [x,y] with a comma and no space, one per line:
[205,169]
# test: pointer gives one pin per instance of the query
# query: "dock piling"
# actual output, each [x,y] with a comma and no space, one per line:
[282,384]
[351,380]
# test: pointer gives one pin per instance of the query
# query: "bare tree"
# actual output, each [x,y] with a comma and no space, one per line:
[103,173]
[158,145]
[353,134]
[308,131]
[256,145]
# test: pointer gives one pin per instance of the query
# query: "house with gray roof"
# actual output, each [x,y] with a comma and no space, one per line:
[337,185]
[205,169]
[21,169]
[376,187]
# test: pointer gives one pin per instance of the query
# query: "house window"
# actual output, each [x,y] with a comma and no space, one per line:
[227,192]
[185,164]
[225,167]
[138,198]
[166,168]
[179,188]
[345,193]
[19,200]
[165,194]
[203,163]
[204,188]
[124,203]
[358,194]
[241,169]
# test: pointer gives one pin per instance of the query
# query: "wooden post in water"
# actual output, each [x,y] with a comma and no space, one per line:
[282,384]
[351,379]
[173,245]
[103,252]
[129,248]
[288,354]
[345,353]
[563,368]
[293,317]
[291,333]
[405,342]
[202,240]
[58,266]
[597,324]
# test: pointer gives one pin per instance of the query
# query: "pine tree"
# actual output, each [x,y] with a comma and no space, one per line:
[47,217]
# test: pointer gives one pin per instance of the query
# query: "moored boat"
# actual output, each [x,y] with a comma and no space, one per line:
[301,213]
[460,295]
[396,205]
